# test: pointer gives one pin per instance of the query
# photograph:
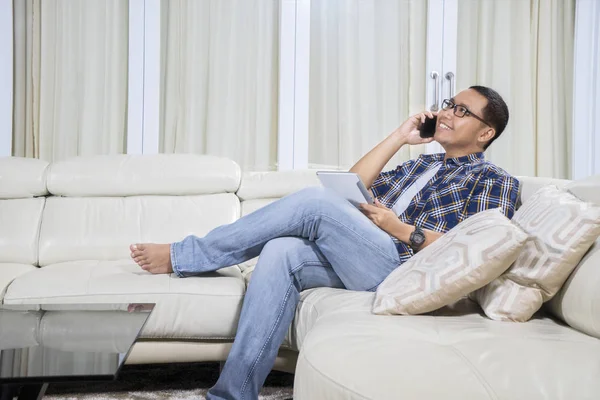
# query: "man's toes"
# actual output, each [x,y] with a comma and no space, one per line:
[145,267]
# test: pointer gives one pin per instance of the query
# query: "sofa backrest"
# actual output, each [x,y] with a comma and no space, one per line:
[100,205]
[530,185]
[578,302]
[22,187]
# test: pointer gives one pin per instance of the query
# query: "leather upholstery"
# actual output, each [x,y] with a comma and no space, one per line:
[578,302]
[19,329]
[204,307]
[454,353]
[530,185]
[22,177]
[261,185]
[10,271]
[20,221]
[102,228]
[346,351]
[133,175]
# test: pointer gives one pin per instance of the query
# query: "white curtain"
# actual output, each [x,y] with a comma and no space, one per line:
[367,75]
[524,50]
[70,78]
[220,79]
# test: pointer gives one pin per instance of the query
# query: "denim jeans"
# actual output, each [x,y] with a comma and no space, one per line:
[312,238]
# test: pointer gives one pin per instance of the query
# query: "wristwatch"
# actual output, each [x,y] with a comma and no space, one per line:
[417,238]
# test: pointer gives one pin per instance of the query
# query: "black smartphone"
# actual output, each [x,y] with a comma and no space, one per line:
[427,129]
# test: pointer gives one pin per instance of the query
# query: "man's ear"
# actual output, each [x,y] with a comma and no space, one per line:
[487,135]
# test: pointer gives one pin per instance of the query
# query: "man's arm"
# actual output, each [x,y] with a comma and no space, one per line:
[371,164]
[387,220]
[495,191]
[402,231]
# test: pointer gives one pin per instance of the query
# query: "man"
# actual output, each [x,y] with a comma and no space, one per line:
[314,238]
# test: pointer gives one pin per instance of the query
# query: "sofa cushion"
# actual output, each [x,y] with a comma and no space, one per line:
[260,185]
[22,177]
[9,271]
[204,307]
[453,353]
[586,189]
[578,302]
[19,230]
[469,256]
[133,175]
[529,185]
[102,228]
[562,229]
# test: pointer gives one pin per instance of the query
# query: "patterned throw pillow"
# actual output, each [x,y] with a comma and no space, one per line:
[469,256]
[562,228]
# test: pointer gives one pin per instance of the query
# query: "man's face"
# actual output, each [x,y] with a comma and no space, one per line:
[466,132]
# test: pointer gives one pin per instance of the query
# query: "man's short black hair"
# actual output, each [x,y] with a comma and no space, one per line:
[495,112]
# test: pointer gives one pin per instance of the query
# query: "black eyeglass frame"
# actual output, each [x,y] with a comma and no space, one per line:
[448,104]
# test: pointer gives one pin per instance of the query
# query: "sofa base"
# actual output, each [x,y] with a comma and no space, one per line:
[162,352]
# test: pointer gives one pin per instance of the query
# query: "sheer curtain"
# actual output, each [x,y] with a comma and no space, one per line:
[367,75]
[524,50]
[220,79]
[70,78]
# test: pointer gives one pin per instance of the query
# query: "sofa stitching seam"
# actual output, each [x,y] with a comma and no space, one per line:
[480,378]
[311,365]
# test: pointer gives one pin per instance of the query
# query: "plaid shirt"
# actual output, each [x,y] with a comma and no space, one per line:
[463,186]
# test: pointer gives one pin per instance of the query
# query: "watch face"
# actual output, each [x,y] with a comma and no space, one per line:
[419,238]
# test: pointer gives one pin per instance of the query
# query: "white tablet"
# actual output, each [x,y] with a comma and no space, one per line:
[346,184]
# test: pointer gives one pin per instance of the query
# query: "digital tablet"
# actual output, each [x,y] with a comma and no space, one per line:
[346,184]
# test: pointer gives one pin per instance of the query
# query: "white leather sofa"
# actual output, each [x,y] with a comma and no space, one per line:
[65,229]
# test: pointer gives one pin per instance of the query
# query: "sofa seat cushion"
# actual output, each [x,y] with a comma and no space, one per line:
[453,353]
[9,271]
[197,308]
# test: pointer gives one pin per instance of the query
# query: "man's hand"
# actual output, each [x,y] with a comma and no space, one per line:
[409,133]
[382,216]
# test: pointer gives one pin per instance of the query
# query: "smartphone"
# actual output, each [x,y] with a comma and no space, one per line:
[427,129]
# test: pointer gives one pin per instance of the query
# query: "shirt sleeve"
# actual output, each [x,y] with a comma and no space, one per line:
[384,181]
[495,192]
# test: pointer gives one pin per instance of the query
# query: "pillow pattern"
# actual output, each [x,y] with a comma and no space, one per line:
[562,228]
[467,257]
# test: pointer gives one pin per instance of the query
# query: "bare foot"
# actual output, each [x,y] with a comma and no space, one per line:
[154,258]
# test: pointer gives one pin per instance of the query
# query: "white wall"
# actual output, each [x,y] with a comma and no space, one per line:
[586,96]
[6,77]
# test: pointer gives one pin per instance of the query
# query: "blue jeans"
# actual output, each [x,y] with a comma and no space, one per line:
[312,238]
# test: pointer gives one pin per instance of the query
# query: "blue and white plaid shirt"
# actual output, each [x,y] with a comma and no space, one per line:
[463,186]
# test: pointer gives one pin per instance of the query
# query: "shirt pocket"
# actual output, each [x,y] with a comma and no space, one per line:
[449,203]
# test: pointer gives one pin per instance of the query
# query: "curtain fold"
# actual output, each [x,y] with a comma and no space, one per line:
[70,78]
[367,75]
[219,90]
[26,103]
[524,50]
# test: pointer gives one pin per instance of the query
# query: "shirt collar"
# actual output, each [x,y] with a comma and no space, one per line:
[472,158]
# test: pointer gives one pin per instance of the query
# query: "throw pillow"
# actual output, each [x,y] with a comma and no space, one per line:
[562,228]
[467,257]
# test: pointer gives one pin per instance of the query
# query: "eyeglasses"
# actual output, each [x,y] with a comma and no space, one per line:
[460,111]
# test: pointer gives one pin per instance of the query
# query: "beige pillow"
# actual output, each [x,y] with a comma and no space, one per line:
[562,228]
[469,256]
